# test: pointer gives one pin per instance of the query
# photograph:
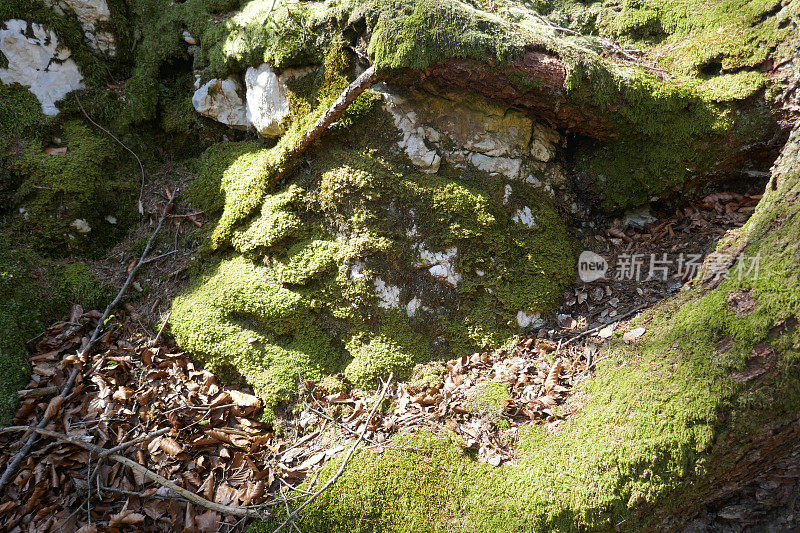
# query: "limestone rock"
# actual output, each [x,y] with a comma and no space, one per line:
[37,60]
[267,104]
[543,145]
[469,130]
[90,13]
[220,100]
[413,141]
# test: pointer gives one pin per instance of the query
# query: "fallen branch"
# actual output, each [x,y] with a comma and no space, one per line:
[13,465]
[103,452]
[41,391]
[346,460]
[601,326]
[367,79]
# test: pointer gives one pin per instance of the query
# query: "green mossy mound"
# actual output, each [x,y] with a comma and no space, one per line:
[79,201]
[330,273]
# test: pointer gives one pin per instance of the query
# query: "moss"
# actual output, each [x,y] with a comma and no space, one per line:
[488,399]
[218,167]
[427,488]
[424,376]
[416,34]
[20,112]
[673,135]
[277,223]
[61,196]
[726,35]
[264,331]
[33,291]
[395,348]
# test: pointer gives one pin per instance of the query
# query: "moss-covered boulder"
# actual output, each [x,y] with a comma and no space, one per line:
[366,264]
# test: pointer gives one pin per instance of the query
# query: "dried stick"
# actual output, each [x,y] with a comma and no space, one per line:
[42,391]
[12,466]
[339,472]
[601,326]
[367,79]
[192,497]
[103,452]
[125,445]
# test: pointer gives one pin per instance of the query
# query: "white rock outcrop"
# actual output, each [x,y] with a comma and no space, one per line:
[267,103]
[441,265]
[389,295]
[525,217]
[37,60]
[414,135]
[498,140]
[90,13]
[220,100]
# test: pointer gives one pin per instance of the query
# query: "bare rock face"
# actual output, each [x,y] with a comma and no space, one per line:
[37,60]
[495,139]
[91,14]
[220,100]
[471,131]
[267,103]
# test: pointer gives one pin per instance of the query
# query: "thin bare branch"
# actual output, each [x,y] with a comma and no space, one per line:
[346,460]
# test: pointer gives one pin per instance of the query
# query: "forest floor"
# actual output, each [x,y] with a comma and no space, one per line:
[141,392]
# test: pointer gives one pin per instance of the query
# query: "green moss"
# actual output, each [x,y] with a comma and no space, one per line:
[488,399]
[428,488]
[20,112]
[33,291]
[60,196]
[727,35]
[424,376]
[671,134]
[264,331]
[219,166]
[277,223]
[395,347]
[418,33]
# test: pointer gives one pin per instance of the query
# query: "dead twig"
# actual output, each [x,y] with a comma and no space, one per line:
[154,342]
[42,391]
[13,465]
[367,79]
[139,205]
[346,460]
[601,326]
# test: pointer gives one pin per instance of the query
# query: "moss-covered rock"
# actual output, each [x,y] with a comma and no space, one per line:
[81,200]
[370,264]
[363,263]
